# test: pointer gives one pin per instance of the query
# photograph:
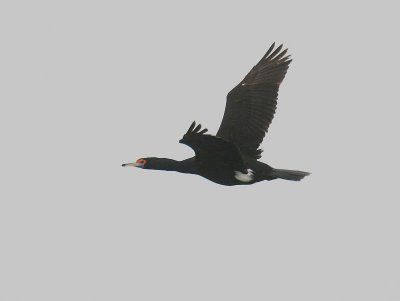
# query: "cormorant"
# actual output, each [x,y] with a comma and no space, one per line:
[231,157]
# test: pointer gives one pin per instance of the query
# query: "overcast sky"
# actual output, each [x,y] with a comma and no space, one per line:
[88,85]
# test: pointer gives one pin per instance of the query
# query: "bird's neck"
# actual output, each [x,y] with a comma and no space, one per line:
[171,165]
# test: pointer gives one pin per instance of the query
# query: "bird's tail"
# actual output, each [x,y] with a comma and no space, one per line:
[292,175]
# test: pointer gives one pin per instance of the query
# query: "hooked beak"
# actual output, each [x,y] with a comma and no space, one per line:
[132,164]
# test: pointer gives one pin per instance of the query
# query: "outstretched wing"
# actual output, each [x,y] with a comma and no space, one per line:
[251,105]
[212,149]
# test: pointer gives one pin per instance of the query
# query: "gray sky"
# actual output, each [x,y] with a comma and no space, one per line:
[88,85]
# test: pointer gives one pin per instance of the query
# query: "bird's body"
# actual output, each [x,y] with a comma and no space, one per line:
[231,156]
[256,171]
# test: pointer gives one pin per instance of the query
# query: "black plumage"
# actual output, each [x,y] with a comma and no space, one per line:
[251,105]
[230,157]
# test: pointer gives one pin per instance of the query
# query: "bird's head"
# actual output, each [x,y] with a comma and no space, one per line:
[155,163]
[141,163]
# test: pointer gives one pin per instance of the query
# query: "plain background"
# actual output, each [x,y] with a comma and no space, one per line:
[88,85]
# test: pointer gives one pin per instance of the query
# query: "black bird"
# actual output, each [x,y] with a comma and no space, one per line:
[231,157]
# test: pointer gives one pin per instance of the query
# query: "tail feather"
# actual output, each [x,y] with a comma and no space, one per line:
[292,175]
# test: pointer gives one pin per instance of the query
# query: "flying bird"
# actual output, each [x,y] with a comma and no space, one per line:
[231,156]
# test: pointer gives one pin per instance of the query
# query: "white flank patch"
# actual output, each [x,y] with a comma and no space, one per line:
[244,177]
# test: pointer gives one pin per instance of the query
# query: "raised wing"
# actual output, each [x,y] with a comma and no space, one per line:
[251,105]
[211,149]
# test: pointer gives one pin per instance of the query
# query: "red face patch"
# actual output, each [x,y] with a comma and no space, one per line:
[141,161]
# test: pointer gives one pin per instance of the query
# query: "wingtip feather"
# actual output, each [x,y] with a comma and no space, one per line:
[273,54]
[191,127]
[195,129]
[269,50]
